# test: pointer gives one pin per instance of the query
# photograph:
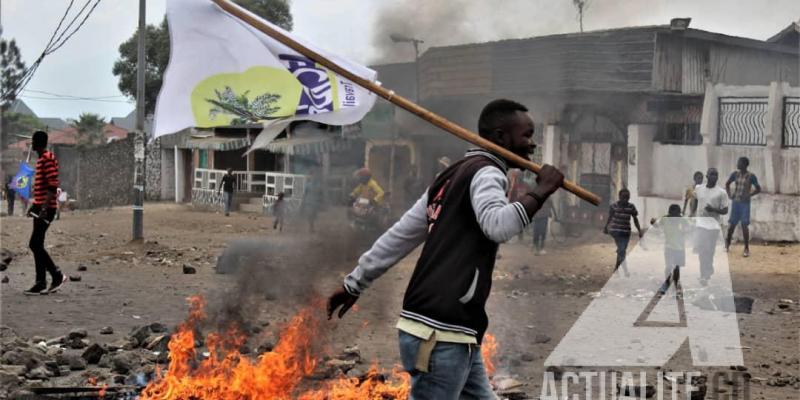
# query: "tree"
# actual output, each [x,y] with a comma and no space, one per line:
[12,70]
[275,11]
[90,129]
[18,123]
[157,50]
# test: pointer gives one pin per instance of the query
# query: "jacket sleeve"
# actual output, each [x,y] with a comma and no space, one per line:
[408,233]
[499,219]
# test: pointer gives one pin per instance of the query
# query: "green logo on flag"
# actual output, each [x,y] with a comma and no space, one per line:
[258,94]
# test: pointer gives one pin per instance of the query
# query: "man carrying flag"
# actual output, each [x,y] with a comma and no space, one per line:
[462,219]
[43,210]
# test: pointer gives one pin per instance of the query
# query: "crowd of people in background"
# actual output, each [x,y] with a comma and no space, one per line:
[708,203]
[703,198]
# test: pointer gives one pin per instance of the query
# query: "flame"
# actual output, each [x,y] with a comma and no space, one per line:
[488,352]
[371,387]
[226,374]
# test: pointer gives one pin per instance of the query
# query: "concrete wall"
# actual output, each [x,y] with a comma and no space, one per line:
[105,175]
[152,168]
[167,174]
[67,157]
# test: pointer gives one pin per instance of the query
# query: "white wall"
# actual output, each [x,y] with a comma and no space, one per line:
[167,174]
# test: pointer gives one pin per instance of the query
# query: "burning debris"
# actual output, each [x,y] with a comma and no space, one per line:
[282,373]
[154,363]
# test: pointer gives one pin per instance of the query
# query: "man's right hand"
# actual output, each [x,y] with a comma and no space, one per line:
[548,180]
[341,298]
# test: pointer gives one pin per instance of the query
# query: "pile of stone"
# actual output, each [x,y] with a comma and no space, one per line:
[74,360]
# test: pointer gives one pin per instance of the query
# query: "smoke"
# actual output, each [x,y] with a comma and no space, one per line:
[286,269]
[452,22]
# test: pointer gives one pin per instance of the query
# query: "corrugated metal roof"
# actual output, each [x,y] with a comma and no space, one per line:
[308,146]
[217,143]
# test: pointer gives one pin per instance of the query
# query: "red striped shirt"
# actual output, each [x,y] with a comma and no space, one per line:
[46,179]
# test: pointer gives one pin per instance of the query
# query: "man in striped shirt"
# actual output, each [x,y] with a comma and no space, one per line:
[618,225]
[43,210]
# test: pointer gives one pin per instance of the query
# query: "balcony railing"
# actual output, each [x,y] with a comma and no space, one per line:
[267,184]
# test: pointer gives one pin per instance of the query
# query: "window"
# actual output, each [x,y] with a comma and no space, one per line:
[742,120]
[679,133]
[203,158]
[791,122]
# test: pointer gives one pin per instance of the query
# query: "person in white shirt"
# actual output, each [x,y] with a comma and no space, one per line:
[712,203]
[61,198]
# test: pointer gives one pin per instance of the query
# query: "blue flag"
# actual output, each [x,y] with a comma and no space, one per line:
[23,181]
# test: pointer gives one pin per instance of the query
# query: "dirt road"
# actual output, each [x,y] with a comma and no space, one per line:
[535,299]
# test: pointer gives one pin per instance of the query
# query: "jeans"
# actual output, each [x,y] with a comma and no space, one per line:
[621,239]
[40,256]
[455,371]
[706,243]
[227,199]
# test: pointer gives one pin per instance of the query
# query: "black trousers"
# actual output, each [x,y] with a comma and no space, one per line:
[10,200]
[40,256]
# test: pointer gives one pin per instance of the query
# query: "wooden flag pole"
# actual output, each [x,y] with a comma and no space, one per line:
[398,100]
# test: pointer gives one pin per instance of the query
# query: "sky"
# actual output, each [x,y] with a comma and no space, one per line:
[357,29]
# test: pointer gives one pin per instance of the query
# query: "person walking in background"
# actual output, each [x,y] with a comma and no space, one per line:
[43,210]
[689,199]
[312,200]
[712,203]
[540,222]
[618,225]
[745,186]
[278,212]
[412,186]
[227,187]
[675,229]
[11,195]
[61,198]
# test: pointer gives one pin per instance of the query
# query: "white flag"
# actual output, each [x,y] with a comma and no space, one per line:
[224,72]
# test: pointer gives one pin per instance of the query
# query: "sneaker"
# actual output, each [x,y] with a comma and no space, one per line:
[542,252]
[57,284]
[746,253]
[703,282]
[36,289]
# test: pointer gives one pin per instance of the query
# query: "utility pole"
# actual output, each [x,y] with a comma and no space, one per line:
[139,135]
